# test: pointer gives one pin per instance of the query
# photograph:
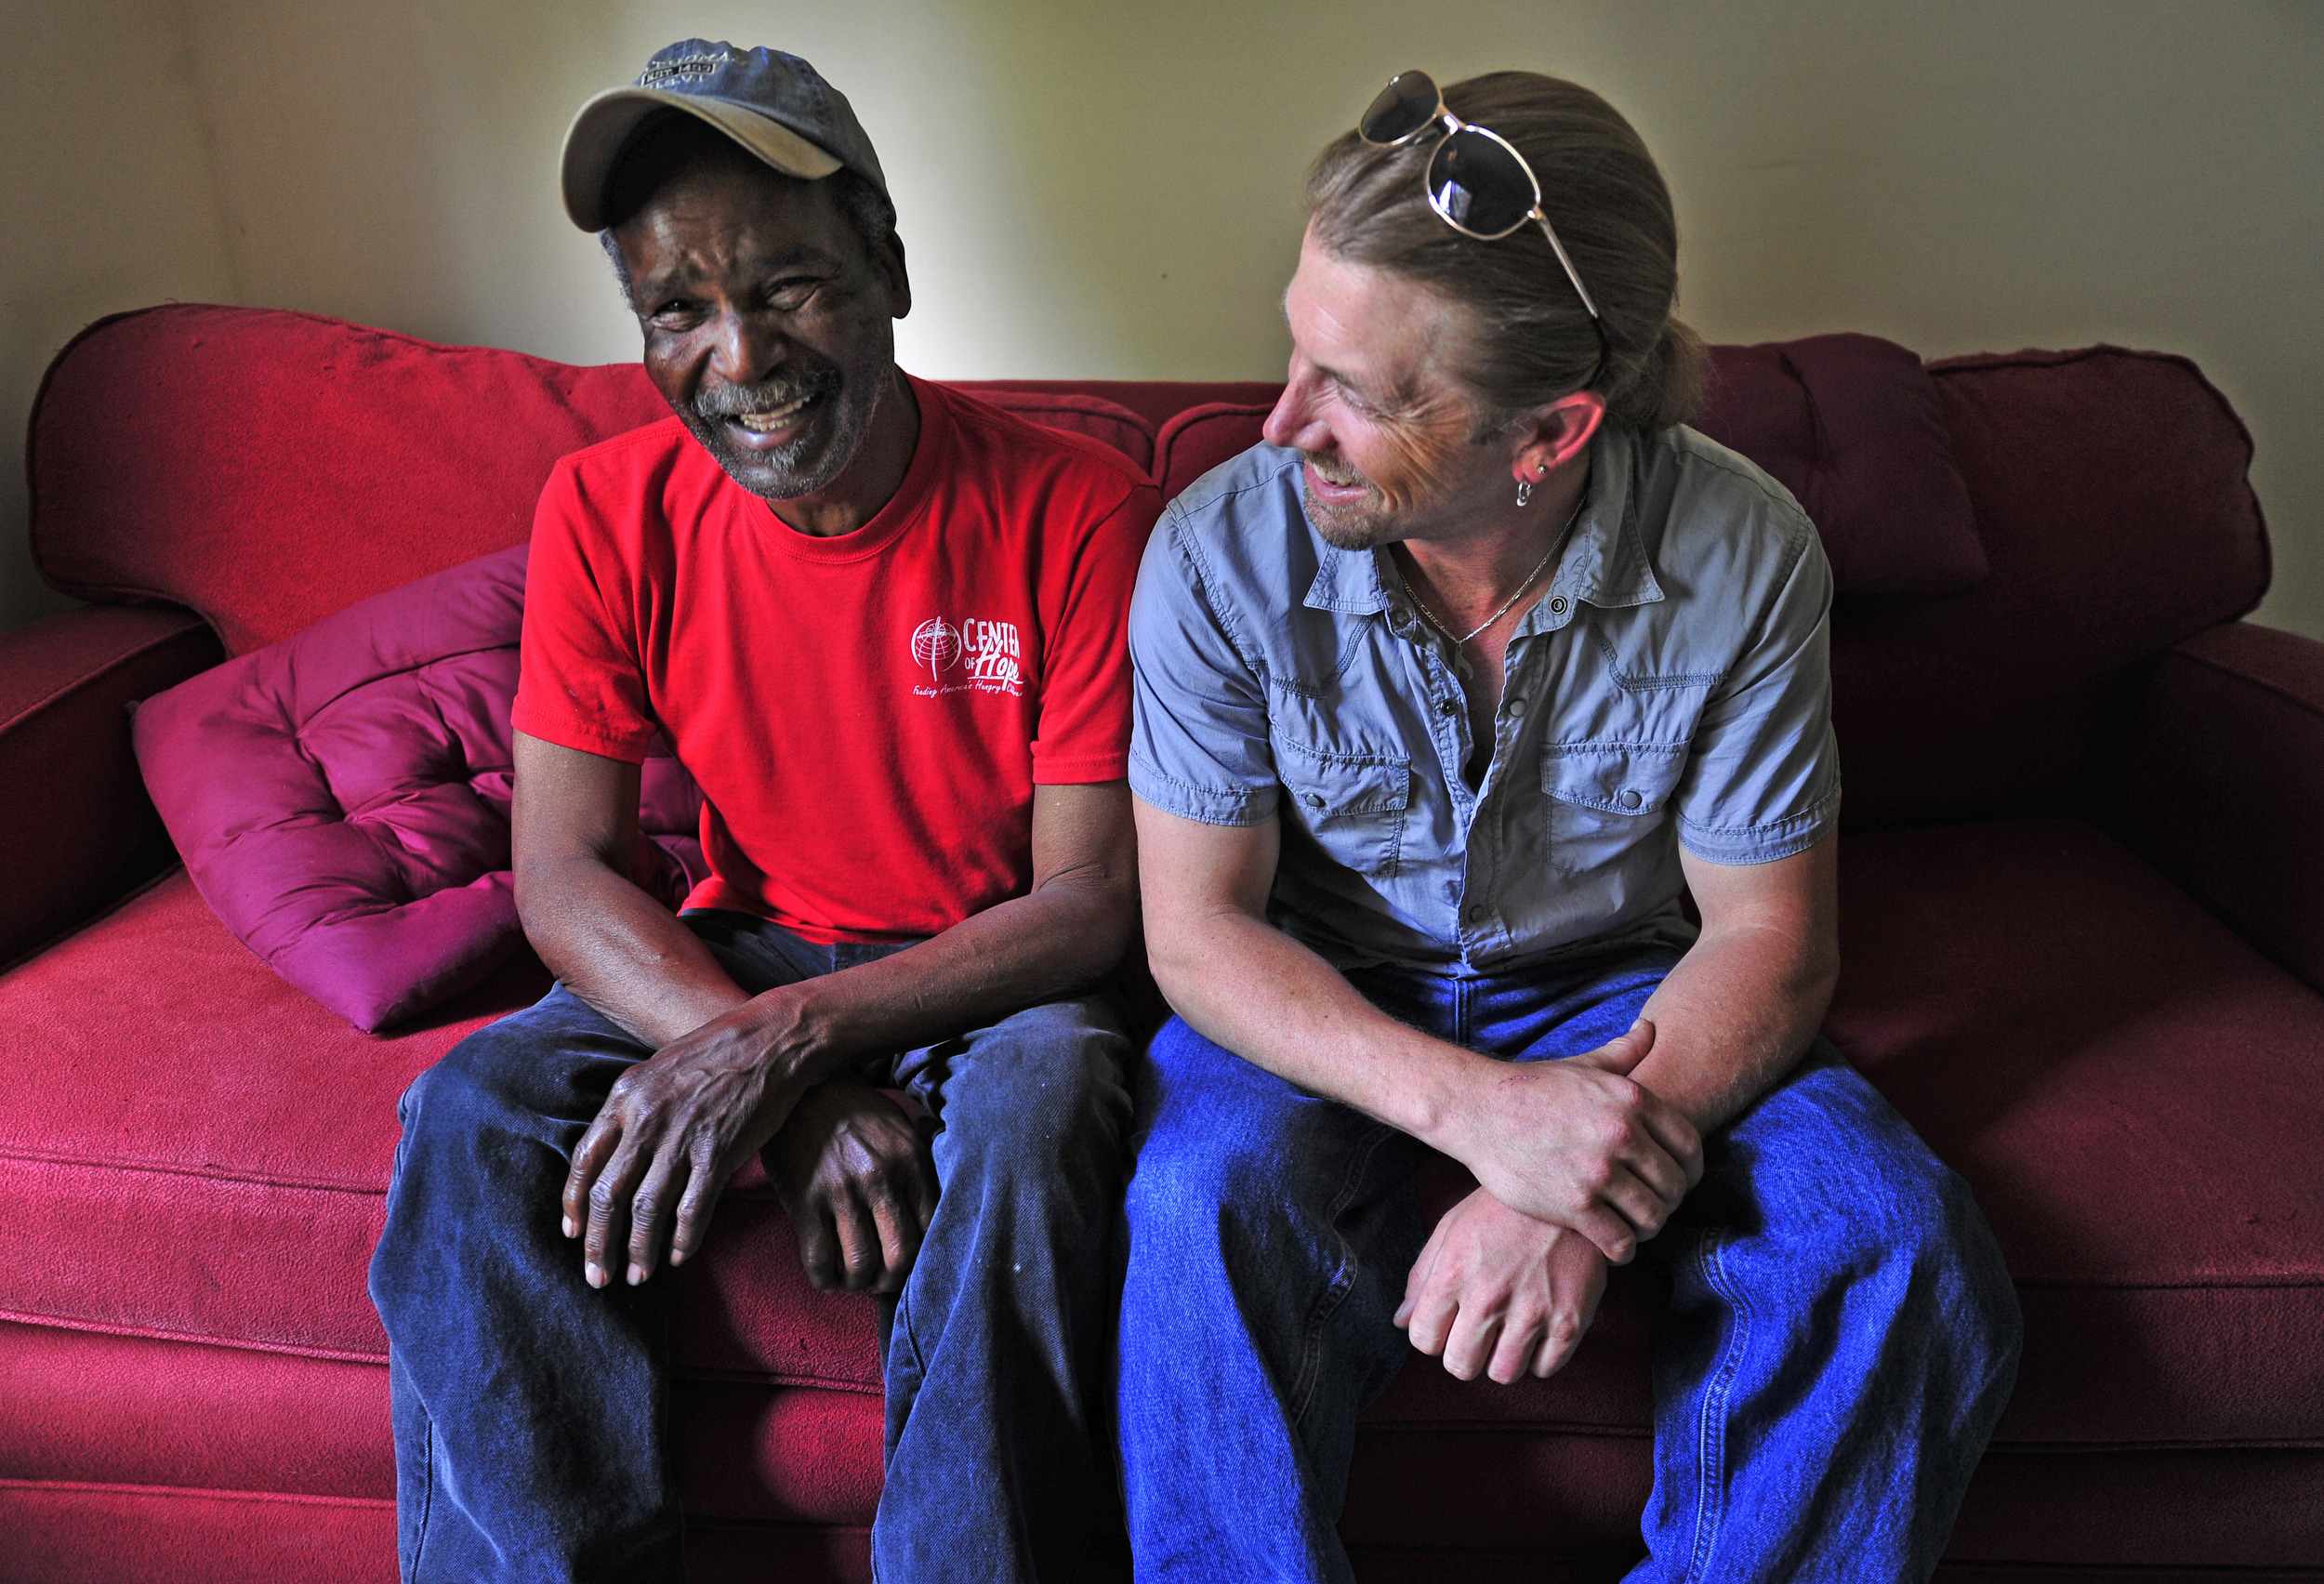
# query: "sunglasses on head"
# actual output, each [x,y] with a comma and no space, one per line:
[1477,182]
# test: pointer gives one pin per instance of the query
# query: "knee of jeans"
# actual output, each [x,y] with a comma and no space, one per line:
[1056,1086]
[462,1095]
[1192,1181]
[1916,1228]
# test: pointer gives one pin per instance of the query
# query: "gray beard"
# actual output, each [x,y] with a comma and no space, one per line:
[802,466]
[1357,527]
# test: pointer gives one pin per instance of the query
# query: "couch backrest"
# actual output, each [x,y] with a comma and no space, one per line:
[2111,519]
[2110,495]
[2011,534]
[266,468]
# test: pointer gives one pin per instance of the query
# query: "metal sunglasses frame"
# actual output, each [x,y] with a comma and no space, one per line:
[1448,125]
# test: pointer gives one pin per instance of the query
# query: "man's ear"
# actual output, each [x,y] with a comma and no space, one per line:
[1560,433]
[892,270]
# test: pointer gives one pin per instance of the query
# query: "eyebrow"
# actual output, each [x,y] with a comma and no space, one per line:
[1393,404]
[684,272]
[1401,403]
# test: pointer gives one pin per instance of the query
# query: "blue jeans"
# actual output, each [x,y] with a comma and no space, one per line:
[1841,1338]
[530,1408]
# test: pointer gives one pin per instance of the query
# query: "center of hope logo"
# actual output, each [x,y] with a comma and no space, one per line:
[989,656]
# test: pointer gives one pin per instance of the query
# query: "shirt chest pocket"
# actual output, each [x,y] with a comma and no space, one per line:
[1606,799]
[1352,804]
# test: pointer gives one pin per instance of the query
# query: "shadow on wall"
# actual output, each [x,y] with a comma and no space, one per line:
[107,187]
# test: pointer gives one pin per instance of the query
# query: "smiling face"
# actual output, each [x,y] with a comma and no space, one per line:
[767,328]
[1384,428]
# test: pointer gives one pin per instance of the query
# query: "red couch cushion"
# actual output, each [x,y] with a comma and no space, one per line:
[239,1200]
[2111,498]
[2133,1093]
[1052,406]
[1156,401]
[290,465]
[209,1189]
[341,797]
[1848,424]
[2129,1086]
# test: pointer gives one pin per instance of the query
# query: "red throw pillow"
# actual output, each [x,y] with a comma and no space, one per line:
[341,797]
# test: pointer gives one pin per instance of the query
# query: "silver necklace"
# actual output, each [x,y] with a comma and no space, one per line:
[1429,616]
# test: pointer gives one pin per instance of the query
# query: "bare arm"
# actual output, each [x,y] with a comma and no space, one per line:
[729,1068]
[1504,1294]
[1741,1005]
[1575,1143]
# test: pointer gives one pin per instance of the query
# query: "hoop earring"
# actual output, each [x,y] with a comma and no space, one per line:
[1524,492]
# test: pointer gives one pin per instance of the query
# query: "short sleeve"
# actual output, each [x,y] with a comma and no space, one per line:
[580,684]
[1083,735]
[1200,750]
[1762,773]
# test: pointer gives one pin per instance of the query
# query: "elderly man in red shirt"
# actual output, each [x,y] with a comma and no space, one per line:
[883,626]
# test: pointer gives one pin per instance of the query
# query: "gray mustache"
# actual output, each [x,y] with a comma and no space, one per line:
[732,401]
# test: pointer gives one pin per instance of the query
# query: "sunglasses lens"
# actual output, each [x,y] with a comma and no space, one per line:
[1405,105]
[1480,185]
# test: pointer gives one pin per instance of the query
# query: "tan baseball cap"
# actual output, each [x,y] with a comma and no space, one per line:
[774,105]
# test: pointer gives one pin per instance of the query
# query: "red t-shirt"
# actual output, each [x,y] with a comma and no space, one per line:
[867,715]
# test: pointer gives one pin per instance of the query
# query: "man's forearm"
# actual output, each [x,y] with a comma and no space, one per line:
[621,950]
[1574,1142]
[1733,1017]
[630,958]
[1062,939]
[1249,988]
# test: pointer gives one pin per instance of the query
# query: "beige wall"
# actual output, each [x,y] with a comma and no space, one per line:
[1111,189]
[109,203]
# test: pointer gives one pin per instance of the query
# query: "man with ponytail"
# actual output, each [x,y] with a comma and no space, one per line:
[1446,693]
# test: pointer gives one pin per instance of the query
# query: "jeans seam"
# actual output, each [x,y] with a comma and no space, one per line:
[426,1495]
[1344,1279]
[911,1338]
[1709,1443]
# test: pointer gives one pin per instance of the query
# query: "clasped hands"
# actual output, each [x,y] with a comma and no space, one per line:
[849,1165]
[1577,1165]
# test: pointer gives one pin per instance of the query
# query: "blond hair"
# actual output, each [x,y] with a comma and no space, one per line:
[1532,341]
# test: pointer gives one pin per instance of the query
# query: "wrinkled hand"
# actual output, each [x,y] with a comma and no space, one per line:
[1501,1292]
[1577,1143]
[674,1128]
[856,1176]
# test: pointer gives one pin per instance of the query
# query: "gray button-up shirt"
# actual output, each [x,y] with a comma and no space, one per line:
[1671,686]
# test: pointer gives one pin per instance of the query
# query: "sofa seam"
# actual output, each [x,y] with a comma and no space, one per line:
[104,912]
[159,1169]
[200,1492]
[767,1378]
[94,673]
[2313,708]
[196,1338]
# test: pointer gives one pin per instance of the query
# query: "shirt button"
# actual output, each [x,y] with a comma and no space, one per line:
[1313,799]
[1448,707]
[1631,799]
[1477,913]
[1557,604]
[1516,704]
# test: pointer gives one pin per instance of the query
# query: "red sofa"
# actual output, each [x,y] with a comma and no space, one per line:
[2083,941]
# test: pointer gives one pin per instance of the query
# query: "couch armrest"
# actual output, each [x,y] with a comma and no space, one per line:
[2221,781]
[81,829]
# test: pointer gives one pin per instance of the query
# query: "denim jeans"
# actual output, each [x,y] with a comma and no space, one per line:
[530,1408]
[1841,1334]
